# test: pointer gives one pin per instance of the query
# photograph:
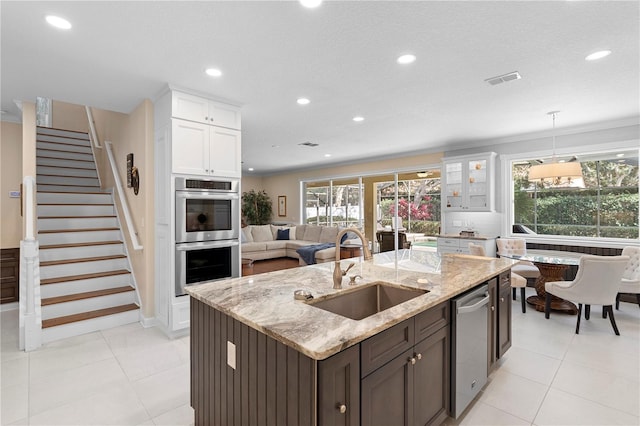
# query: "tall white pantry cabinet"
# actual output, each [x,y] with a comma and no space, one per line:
[195,136]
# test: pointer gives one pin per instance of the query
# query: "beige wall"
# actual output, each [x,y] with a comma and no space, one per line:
[10,179]
[69,116]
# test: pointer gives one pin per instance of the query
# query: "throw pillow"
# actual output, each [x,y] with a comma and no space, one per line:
[344,237]
[283,234]
[261,233]
[246,235]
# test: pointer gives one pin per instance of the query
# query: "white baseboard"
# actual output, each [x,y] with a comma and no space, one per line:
[148,322]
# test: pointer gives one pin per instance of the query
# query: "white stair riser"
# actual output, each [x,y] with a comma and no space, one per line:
[67,180]
[71,140]
[80,252]
[60,132]
[61,162]
[82,223]
[59,171]
[64,155]
[78,237]
[63,147]
[86,305]
[65,210]
[83,286]
[79,268]
[82,327]
[47,187]
[72,198]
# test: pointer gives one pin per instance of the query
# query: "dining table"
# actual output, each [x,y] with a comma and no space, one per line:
[552,265]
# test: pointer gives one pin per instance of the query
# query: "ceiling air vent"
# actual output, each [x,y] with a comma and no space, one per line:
[515,75]
[311,144]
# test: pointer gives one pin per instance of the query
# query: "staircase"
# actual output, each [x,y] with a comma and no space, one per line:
[85,279]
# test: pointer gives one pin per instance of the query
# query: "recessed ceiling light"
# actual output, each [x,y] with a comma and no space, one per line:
[358,119]
[250,169]
[275,146]
[303,101]
[213,72]
[406,59]
[598,55]
[620,155]
[58,22]
[327,155]
[311,3]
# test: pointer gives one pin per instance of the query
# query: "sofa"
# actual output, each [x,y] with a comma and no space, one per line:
[259,242]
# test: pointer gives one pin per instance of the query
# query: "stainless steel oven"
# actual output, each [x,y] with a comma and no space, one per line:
[206,261]
[207,209]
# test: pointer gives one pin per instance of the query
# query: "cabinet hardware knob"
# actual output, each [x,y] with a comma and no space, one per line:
[206,118]
[412,360]
[493,308]
[342,408]
[419,356]
[502,299]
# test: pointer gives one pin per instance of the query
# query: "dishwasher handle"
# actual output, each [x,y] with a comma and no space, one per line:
[475,306]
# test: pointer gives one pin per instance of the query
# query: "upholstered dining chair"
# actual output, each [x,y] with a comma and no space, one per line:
[517,281]
[631,277]
[523,268]
[597,283]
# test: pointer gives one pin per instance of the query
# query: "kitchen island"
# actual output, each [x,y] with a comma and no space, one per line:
[259,356]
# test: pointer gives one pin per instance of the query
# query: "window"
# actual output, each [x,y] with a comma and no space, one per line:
[606,207]
[335,202]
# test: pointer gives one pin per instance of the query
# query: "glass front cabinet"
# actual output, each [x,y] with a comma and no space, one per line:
[468,183]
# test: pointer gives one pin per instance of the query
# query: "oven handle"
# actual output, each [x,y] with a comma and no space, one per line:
[206,245]
[207,195]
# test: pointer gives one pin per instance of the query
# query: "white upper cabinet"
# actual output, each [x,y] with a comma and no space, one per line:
[199,149]
[202,110]
[468,183]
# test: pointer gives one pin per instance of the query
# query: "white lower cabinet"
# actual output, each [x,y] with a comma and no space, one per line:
[200,149]
[461,245]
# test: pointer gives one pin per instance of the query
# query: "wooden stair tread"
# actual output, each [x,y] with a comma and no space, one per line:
[43,128]
[85,295]
[75,204]
[72,192]
[64,150]
[68,184]
[82,260]
[83,276]
[70,245]
[63,159]
[57,231]
[77,217]
[66,167]
[52,322]
[66,176]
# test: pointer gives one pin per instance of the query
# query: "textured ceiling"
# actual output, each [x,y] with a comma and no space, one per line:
[342,57]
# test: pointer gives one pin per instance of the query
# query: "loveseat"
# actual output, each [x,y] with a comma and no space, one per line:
[270,241]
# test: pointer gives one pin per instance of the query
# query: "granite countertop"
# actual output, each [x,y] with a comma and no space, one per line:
[265,302]
[464,237]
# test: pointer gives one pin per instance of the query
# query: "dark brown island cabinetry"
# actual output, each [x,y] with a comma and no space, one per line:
[499,318]
[399,376]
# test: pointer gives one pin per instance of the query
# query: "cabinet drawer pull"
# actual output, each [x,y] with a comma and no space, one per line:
[342,408]
[502,299]
[493,308]
[419,356]
[412,360]
[206,118]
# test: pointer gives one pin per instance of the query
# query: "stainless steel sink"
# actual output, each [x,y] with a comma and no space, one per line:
[366,301]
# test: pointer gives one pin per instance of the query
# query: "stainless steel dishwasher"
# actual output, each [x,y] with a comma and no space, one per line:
[470,339]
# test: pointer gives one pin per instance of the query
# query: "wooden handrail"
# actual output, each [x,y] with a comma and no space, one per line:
[123,200]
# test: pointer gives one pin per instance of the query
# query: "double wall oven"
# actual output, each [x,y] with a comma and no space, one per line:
[207,230]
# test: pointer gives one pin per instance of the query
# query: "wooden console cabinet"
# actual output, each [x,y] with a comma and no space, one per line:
[10,275]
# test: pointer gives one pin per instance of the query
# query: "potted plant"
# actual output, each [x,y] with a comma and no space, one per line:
[256,207]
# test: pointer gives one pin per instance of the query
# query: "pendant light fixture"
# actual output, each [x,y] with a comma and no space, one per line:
[555,173]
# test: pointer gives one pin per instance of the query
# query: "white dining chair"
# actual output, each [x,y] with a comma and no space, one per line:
[631,278]
[508,246]
[517,281]
[597,283]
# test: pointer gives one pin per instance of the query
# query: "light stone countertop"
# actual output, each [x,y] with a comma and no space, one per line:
[462,237]
[265,302]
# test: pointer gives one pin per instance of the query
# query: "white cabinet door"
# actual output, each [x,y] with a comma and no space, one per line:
[190,147]
[225,151]
[224,115]
[190,107]
[467,184]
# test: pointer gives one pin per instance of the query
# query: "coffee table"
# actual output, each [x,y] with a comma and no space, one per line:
[552,265]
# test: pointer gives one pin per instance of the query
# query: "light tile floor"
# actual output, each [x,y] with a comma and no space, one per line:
[130,375]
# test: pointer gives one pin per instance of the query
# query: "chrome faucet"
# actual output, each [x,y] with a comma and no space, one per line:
[338,273]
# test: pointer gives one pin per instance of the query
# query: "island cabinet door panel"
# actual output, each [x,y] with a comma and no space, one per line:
[387,393]
[431,379]
[339,389]
[504,315]
[383,347]
[271,383]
